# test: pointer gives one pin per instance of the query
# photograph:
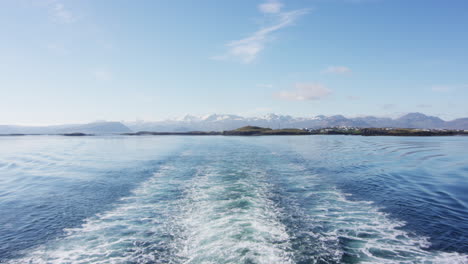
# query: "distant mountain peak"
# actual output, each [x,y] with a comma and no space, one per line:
[413,116]
[219,122]
[100,127]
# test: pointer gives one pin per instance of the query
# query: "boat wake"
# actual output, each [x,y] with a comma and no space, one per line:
[238,204]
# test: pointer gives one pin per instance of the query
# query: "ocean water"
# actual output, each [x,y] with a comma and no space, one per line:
[214,199]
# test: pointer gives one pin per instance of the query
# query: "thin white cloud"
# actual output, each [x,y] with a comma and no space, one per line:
[247,49]
[448,88]
[389,106]
[337,70]
[305,92]
[256,111]
[353,97]
[265,85]
[57,49]
[60,13]
[263,109]
[270,7]
[102,74]
[441,88]
[424,106]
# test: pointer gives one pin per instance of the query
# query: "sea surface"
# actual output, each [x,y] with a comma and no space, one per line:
[215,199]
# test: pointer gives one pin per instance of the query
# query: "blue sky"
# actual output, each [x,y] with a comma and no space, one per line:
[80,61]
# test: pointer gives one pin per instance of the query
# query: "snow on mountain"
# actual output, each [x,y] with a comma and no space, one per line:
[217,122]
[220,122]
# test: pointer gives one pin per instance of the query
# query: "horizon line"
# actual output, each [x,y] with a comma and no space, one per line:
[180,118]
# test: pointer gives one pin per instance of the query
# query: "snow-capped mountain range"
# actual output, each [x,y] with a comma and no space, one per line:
[216,122]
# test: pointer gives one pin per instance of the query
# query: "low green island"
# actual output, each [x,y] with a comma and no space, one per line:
[243,131]
[262,131]
[76,134]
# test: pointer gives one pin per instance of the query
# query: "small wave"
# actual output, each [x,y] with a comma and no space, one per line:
[429,157]
[415,152]
[239,205]
[137,230]
[352,231]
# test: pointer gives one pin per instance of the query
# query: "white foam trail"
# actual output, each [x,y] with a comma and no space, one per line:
[132,232]
[224,216]
[229,218]
[362,233]
[228,213]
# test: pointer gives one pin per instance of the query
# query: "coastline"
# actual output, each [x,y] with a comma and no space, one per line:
[261,131]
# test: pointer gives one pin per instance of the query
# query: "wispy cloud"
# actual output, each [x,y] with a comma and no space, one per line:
[247,49]
[270,7]
[60,13]
[389,106]
[441,88]
[57,49]
[448,88]
[337,70]
[256,111]
[352,97]
[265,85]
[102,74]
[424,106]
[305,92]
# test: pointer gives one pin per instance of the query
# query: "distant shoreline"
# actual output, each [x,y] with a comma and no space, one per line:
[261,131]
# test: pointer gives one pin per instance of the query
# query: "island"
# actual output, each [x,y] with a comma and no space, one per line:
[262,131]
[243,131]
[191,133]
[76,134]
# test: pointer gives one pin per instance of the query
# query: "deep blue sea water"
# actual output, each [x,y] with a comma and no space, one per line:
[214,199]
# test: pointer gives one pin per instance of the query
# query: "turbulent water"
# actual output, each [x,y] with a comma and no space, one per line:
[279,199]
